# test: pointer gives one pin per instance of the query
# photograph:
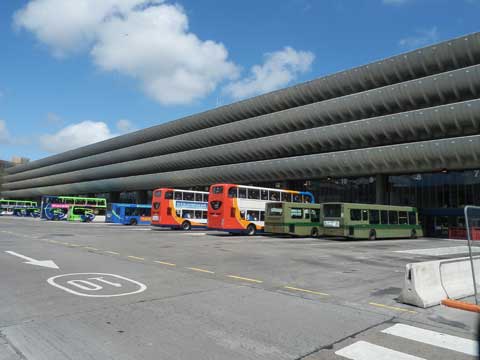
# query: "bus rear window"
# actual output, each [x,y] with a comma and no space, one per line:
[157,193]
[169,195]
[276,210]
[332,210]
[217,190]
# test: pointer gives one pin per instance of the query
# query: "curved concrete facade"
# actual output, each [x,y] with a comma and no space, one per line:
[433,155]
[432,90]
[457,53]
[414,112]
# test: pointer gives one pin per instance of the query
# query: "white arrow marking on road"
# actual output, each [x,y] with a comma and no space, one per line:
[44,263]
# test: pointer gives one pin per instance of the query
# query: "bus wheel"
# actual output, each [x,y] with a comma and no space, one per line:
[251,230]
[413,234]
[186,225]
[314,233]
[133,222]
[372,235]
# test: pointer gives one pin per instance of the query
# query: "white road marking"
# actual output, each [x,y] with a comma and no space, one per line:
[455,343]
[45,263]
[89,286]
[362,350]
[440,251]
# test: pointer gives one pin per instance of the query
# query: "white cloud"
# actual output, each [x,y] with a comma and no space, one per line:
[4,133]
[76,135]
[145,39]
[278,70]
[124,125]
[422,38]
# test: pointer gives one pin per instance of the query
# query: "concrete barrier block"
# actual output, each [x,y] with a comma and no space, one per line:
[428,283]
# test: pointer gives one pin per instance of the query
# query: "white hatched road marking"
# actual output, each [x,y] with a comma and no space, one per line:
[455,343]
[362,350]
[440,251]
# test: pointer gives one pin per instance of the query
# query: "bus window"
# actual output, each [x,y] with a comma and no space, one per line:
[198,214]
[374,217]
[306,214]
[332,210]
[262,215]
[188,214]
[402,217]
[365,215]
[157,193]
[177,195]
[252,215]
[287,197]
[253,194]
[189,196]
[156,205]
[169,195]
[217,190]
[297,198]
[315,215]
[129,211]
[274,195]
[264,194]
[242,214]
[355,215]
[178,212]
[384,217]
[91,202]
[146,212]
[232,192]
[204,215]
[295,213]
[393,217]
[205,197]
[412,218]
[198,197]
[242,193]
[275,210]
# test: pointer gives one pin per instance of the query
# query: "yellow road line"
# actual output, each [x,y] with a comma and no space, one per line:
[164,263]
[90,248]
[305,290]
[245,279]
[200,270]
[135,257]
[393,308]
[112,252]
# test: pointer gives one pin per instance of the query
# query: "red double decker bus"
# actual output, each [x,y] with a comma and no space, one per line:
[241,209]
[179,209]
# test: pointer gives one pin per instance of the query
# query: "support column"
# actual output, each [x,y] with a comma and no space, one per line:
[381,189]
[141,197]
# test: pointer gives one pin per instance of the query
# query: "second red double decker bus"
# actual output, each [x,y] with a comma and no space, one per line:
[241,209]
[179,209]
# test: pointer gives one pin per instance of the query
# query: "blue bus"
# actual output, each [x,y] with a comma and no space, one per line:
[129,214]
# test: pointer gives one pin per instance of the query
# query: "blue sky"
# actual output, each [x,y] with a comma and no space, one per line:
[77,71]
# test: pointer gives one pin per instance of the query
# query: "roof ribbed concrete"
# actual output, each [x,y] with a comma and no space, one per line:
[453,153]
[430,123]
[454,54]
[437,89]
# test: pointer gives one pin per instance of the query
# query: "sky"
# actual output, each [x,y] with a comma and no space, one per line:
[74,72]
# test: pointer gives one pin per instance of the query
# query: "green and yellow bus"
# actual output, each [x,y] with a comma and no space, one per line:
[298,219]
[370,221]
[73,208]
[18,208]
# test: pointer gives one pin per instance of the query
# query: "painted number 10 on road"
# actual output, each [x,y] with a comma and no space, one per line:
[98,285]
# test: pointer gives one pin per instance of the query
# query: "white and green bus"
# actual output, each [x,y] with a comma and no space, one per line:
[370,221]
[298,219]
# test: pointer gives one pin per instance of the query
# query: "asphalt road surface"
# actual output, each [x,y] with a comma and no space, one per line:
[135,293]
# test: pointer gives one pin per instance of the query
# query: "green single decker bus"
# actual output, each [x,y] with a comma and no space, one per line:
[370,221]
[18,208]
[299,219]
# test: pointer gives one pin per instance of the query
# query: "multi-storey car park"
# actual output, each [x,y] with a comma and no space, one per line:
[403,131]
